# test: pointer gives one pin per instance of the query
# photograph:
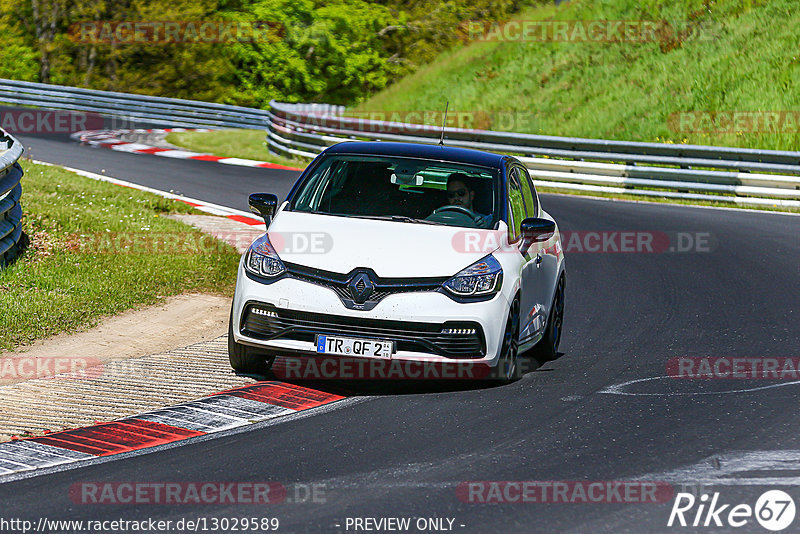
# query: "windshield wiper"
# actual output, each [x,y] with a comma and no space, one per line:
[395,218]
[403,218]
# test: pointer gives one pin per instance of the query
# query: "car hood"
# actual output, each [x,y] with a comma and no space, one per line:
[391,249]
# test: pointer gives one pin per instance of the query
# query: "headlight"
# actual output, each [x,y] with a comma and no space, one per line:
[481,278]
[262,260]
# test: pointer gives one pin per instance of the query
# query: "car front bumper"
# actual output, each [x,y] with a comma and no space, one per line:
[292,312]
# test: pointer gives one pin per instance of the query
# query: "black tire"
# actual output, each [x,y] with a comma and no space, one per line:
[547,348]
[246,360]
[508,368]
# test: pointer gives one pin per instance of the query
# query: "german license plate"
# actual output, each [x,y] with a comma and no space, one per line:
[350,346]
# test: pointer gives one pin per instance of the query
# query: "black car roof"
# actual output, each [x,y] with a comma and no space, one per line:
[435,152]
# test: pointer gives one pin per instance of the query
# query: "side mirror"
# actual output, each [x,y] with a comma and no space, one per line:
[536,230]
[264,204]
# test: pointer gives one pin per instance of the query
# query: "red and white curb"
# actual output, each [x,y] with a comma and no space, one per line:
[201,205]
[226,410]
[110,139]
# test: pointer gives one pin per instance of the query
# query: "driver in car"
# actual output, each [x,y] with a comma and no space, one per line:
[459,193]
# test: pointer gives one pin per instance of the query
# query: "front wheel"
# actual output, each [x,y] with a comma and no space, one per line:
[547,348]
[246,360]
[508,369]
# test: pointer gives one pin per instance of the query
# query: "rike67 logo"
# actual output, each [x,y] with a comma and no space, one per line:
[774,510]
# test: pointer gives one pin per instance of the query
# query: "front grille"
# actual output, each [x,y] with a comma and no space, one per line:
[273,323]
[384,287]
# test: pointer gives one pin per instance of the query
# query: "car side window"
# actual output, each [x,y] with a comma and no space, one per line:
[516,205]
[528,193]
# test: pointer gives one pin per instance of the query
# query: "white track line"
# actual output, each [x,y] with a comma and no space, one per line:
[202,205]
[617,389]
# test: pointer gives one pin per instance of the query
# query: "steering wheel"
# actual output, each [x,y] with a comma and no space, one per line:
[458,209]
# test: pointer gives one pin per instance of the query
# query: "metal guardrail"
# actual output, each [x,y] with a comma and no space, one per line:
[723,174]
[695,172]
[10,193]
[141,108]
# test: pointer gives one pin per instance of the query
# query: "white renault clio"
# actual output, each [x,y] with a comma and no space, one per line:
[398,251]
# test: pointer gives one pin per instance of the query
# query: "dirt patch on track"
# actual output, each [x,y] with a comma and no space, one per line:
[177,322]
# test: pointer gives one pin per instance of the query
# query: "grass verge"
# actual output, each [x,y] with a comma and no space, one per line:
[246,144]
[98,249]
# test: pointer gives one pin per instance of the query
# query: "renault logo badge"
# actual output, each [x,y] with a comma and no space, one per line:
[361,287]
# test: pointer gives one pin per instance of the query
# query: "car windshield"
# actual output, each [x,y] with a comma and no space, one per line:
[401,189]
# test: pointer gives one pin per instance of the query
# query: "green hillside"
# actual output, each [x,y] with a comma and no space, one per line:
[244,52]
[708,56]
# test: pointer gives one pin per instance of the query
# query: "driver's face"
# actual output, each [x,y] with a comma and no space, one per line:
[459,195]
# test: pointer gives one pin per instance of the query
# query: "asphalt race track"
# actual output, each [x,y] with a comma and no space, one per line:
[220,184]
[403,451]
